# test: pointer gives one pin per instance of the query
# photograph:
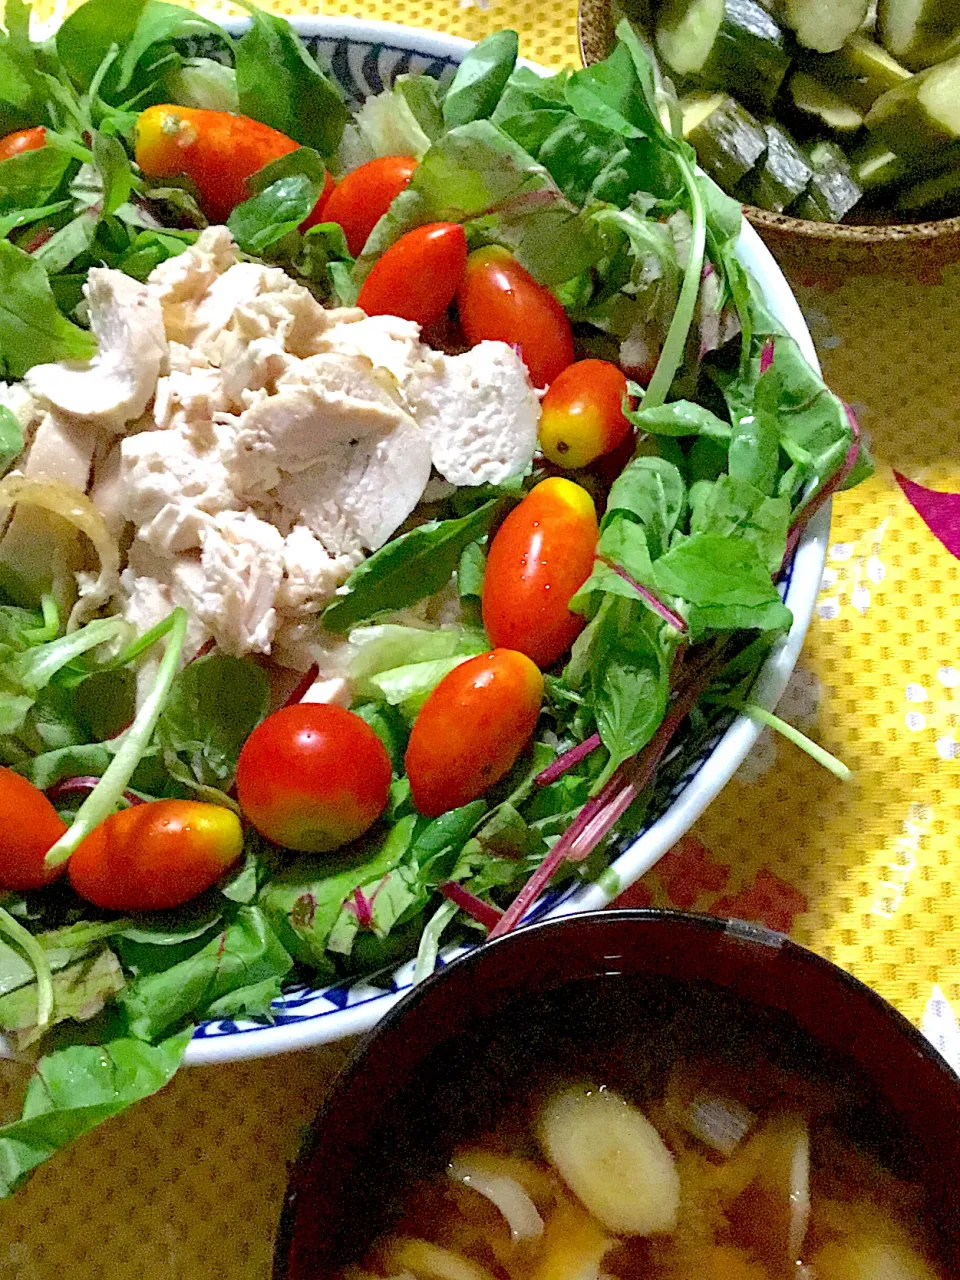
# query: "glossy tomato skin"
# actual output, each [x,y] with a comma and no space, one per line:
[313,777]
[14,144]
[581,417]
[418,276]
[29,825]
[219,150]
[364,195]
[540,557]
[471,730]
[157,855]
[500,301]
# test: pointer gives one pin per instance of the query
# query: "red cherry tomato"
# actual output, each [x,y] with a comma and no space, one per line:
[154,856]
[364,196]
[29,825]
[501,301]
[581,417]
[23,140]
[417,277]
[320,208]
[471,730]
[542,554]
[313,777]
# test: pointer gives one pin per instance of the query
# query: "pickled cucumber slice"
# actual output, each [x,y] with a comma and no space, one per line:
[782,175]
[921,115]
[824,25]
[724,44]
[728,140]
[861,72]
[821,106]
[919,32]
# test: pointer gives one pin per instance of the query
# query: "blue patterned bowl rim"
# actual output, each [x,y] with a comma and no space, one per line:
[364,57]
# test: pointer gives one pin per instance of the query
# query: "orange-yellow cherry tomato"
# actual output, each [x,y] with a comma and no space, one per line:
[363,196]
[418,275]
[500,301]
[154,856]
[219,150]
[540,557]
[313,777]
[581,417]
[29,825]
[14,144]
[471,730]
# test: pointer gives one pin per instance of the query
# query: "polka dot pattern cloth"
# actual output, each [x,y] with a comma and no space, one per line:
[188,1185]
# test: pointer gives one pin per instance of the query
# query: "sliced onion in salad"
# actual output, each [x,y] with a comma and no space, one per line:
[69,504]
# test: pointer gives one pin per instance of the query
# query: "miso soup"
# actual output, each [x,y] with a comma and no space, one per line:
[616,1138]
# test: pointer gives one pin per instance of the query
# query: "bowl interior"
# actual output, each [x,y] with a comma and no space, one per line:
[443,1062]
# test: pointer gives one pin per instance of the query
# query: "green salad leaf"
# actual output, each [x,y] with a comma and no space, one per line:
[480,80]
[415,565]
[279,82]
[74,1089]
[32,330]
[214,705]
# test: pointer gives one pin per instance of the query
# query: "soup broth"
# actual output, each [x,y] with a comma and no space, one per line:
[607,1136]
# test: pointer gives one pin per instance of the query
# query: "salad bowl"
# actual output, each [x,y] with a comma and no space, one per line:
[364,57]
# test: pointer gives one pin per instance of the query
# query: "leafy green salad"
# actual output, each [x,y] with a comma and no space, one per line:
[119,937]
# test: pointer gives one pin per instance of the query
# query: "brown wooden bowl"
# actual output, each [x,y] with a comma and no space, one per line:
[813,252]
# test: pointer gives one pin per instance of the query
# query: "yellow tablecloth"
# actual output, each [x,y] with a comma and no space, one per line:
[188,1185]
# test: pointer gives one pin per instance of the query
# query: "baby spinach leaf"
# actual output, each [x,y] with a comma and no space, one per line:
[11,439]
[727,582]
[76,1088]
[680,418]
[527,91]
[214,705]
[115,172]
[148,250]
[481,78]
[629,678]
[413,566]
[279,82]
[325,259]
[609,94]
[261,221]
[31,178]
[709,569]
[650,490]
[32,330]
[247,951]
[158,24]
[732,508]
[86,37]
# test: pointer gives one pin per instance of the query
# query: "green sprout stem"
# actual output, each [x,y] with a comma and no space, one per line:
[35,953]
[105,796]
[822,757]
[671,356]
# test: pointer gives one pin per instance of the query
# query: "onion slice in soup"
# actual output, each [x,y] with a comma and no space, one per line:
[503,1191]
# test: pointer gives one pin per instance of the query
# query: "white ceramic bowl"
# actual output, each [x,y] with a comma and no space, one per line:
[364,57]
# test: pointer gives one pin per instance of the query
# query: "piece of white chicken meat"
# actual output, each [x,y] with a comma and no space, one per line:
[267,444]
